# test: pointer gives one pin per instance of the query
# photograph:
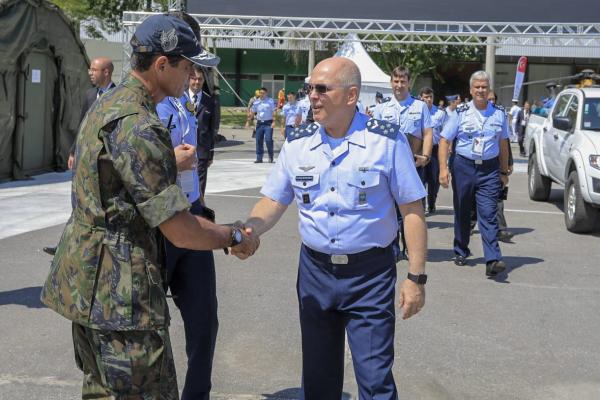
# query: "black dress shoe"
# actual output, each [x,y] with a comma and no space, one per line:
[271,160]
[493,268]
[431,210]
[460,261]
[50,250]
[258,162]
[505,236]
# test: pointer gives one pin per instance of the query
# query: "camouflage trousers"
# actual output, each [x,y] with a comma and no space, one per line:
[125,365]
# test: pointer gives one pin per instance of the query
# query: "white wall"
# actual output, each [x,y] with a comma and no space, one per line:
[102,48]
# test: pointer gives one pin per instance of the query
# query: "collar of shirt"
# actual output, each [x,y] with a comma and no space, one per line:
[354,135]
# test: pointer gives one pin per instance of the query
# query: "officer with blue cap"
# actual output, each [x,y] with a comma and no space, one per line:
[345,174]
[479,170]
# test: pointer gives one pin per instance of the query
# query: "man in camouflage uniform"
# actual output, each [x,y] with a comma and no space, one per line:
[108,274]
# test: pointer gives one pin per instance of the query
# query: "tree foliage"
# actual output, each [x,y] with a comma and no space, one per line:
[108,13]
[423,58]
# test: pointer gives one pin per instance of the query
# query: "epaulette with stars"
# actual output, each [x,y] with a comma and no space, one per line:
[383,128]
[303,131]
[499,107]
[462,108]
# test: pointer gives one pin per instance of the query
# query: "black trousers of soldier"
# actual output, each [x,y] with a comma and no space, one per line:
[191,277]
[431,178]
[357,299]
[479,183]
[202,174]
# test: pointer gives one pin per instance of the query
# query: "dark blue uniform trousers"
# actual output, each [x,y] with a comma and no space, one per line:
[264,133]
[431,175]
[481,184]
[357,298]
[191,277]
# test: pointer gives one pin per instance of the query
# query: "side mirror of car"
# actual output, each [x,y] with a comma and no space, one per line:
[562,123]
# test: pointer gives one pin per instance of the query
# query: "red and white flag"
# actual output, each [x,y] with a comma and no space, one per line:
[521,68]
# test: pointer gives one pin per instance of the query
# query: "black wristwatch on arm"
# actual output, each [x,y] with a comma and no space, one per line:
[236,238]
[420,279]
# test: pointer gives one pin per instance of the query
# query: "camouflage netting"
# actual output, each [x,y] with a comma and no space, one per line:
[28,26]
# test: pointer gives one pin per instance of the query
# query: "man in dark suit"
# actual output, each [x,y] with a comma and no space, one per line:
[100,72]
[205,109]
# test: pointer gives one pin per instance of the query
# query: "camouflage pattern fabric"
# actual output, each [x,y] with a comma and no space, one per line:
[126,365]
[108,272]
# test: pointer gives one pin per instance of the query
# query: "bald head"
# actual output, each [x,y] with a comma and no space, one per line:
[100,72]
[343,71]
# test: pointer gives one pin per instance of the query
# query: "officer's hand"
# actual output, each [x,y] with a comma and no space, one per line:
[420,161]
[249,244]
[444,178]
[504,180]
[510,170]
[70,161]
[185,157]
[412,298]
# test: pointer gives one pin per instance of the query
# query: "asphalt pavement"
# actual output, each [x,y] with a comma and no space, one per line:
[532,333]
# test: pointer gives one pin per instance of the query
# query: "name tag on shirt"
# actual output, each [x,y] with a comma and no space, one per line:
[477,146]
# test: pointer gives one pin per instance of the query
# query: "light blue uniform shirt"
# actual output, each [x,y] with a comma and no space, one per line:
[438,117]
[469,126]
[290,112]
[346,196]
[183,130]
[411,114]
[264,109]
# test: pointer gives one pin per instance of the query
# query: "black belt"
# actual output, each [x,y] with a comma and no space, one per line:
[347,258]
[290,126]
[268,121]
[479,161]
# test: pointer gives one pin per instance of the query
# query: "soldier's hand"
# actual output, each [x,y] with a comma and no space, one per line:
[444,178]
[185,157]
[70,161]
[504,180]
[412,298]
[420,161]
[248,246]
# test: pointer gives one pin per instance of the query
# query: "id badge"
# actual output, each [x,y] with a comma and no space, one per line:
[477,147]
[186,178]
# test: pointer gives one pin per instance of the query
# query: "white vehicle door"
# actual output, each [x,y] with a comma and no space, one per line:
[565,138]
[550,138]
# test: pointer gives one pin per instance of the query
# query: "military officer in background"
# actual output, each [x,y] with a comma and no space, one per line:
[291,111]
[345,174]
[414,119]
[263,110]
[479,169]
[108,275]
[432,169]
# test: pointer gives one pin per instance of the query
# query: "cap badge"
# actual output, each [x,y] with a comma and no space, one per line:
[168,40]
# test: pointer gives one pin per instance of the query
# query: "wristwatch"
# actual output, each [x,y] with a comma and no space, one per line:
[505,173]
[236,237]
[418,279]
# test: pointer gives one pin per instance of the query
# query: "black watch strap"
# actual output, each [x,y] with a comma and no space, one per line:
[418,279]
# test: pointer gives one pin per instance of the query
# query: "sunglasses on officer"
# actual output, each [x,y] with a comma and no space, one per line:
[322,88]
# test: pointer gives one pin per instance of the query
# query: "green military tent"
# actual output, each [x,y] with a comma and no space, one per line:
[43,78]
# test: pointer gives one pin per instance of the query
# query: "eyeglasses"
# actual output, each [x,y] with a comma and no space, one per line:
[322,88]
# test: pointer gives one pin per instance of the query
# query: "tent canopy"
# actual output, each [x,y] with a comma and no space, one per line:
[43,78]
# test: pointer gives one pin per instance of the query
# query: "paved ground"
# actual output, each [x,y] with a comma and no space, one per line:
[531,334]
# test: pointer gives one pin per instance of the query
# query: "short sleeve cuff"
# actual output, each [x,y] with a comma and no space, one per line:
[163,206]
[280,198]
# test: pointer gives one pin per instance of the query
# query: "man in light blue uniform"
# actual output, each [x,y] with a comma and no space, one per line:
[290,111]
[432,169]
[263,109]
[304,104]
[415,122]
[479,170]
[345,174]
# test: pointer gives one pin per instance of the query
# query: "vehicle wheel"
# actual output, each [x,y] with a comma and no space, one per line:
[580,217]
[539,186]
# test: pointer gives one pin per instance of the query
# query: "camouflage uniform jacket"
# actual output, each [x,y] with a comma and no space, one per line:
[108,272]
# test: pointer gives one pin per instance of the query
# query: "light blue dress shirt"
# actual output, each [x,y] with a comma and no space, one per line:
[304,105]
[469,125]
[346,196]
[411,114]
[438,118]
[264,109]
[290,112]
[183,130]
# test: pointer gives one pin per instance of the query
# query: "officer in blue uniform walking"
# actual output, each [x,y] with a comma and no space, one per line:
[345,174]
[291,113]
[263,109]
[414,119]
[432,169]
[479,170]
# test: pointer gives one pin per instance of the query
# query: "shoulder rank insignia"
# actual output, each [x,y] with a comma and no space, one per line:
[383,128]
[303,131]
[499,107]
[462,108]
